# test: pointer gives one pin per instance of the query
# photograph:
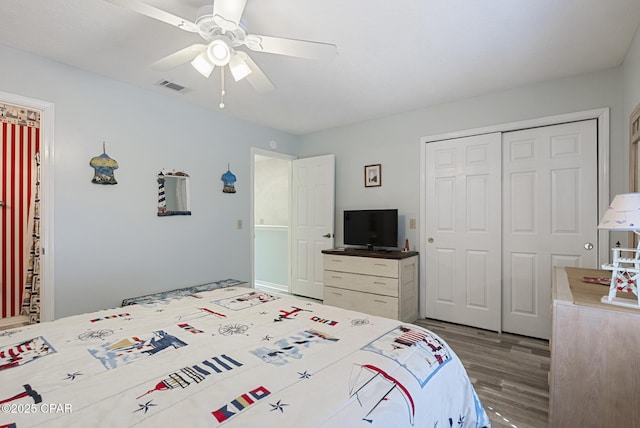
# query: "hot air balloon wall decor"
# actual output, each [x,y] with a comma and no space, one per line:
[103,167]
[229,180]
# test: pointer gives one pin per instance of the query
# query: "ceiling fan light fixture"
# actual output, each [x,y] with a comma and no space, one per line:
[202,64]
[239,68]
[219,52]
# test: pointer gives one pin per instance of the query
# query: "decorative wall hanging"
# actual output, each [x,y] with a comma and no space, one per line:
[104,167]
[173,193]
[373,175]
[229,181]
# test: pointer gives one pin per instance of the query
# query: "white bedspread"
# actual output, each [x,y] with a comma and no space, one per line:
[232,357]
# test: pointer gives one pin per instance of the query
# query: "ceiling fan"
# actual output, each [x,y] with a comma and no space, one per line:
[223,29]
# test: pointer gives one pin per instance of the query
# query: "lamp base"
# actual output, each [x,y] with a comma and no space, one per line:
[619,301]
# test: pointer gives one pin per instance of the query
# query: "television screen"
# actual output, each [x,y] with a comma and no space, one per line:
[371,228]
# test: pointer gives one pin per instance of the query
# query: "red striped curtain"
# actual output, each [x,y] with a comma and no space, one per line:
[19,144]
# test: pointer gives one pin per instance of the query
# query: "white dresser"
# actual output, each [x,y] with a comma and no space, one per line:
[383,283]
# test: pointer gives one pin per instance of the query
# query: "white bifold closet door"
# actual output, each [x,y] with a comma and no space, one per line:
[501,210]
[463,223]
[550,217]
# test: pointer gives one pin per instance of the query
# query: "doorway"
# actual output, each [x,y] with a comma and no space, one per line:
[42,309]
[270,221]
[306,188]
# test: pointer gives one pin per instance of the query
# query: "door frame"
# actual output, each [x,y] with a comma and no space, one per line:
[602,117]
[47,289]
[255,151]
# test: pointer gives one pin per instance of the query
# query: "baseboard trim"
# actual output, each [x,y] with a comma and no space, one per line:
[272,286]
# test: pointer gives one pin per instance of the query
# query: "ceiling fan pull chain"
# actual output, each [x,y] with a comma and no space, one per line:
[221,105]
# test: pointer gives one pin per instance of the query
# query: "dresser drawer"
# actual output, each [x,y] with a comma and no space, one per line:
[365,283]
[383,306]
[363,265]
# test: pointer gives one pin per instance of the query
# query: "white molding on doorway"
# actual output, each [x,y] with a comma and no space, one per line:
[602,116]
[47,289]
[253,152]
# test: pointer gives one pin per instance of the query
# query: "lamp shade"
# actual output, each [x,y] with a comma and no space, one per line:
[623,213]
[202,64]
[239,68]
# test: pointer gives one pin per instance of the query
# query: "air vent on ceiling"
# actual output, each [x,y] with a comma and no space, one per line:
[173,86]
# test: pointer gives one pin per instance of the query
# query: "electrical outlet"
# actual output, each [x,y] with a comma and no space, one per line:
[239,224]
[412,223]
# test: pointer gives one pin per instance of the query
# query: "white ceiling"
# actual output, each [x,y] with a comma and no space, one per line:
[393,55]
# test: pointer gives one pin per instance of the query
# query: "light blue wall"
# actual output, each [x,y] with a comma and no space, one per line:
[394,141]
[272,256]
[109,243]
[631,83]
[271,191]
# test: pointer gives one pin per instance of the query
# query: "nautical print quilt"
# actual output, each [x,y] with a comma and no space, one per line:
[232,357]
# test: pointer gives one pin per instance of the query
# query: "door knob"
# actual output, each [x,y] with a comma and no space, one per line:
[588,246]
[1,203]
[430,240]
[326,235]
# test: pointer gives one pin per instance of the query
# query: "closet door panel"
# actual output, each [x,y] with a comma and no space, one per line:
[550,213]
[463,230]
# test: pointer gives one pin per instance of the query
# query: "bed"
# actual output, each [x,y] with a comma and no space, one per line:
[231,356]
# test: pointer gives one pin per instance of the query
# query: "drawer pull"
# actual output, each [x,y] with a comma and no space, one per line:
[336,260]
[380,264]
[336,294]
[379,301]
[336,277]
[379,283]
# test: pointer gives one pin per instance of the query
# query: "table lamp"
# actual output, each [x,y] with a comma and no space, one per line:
[623,215]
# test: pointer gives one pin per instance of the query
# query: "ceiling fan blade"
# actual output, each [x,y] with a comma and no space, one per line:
[227,13]
[256,78]
[178,58]
[290,47]
[155,13]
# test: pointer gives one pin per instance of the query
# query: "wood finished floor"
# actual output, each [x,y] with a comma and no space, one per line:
[509,372]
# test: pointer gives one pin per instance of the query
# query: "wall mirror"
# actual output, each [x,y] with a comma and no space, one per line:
[173,193]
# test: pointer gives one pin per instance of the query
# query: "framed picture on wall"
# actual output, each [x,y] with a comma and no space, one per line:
[373,175]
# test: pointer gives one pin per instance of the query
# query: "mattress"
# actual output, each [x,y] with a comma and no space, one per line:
[232,356]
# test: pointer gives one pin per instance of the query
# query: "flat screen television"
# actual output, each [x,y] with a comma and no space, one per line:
[371,228]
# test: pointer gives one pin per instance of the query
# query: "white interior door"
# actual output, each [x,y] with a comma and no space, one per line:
[463,222]
[312,225]
[550,217]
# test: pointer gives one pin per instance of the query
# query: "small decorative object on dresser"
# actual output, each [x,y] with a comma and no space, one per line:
[623,215]
[373,175]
